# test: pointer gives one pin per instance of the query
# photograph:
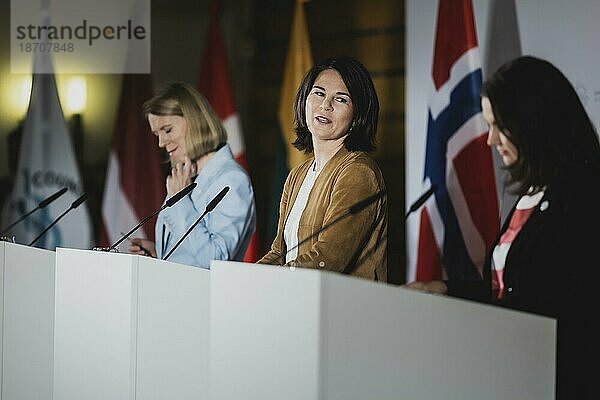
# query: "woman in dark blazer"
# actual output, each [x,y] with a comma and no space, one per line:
[545,258]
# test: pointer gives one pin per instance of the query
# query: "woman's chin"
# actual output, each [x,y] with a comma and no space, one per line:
[508,161]
[175,160]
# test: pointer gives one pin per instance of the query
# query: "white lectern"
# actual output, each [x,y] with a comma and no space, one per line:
[303,334]
[26,323]
[129,327]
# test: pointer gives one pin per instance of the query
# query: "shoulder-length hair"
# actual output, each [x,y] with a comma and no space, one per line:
[205,133]
[361,135]
[538,110]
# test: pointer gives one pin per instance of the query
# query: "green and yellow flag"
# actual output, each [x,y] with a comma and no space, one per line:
[297,63]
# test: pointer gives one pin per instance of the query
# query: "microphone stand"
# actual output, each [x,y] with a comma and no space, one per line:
[354,209]
[358,207]
[42,204]
[209,207]
[125,236]
[174,199]
[74,205]
[185,235]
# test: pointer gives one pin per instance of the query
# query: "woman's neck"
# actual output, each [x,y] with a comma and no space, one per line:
[323,152]
[202,161]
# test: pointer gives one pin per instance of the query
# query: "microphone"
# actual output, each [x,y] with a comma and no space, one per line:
[171,201]
[179,195]
[354,209]
[420,201]
[74,205]
[41,205]
[209,207]
[217,199]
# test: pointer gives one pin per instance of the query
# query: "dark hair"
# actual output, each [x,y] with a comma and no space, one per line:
[538,110]
[363,128]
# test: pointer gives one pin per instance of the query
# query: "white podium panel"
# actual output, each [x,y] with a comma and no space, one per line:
[26,323]
[129,327]
[304,334]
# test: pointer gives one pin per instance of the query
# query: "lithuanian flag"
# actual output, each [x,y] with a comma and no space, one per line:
[297,63]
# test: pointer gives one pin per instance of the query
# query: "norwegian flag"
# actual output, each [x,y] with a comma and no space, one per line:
[459,223]
[214,84]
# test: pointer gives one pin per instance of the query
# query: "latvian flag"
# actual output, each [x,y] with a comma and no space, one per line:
[459,223]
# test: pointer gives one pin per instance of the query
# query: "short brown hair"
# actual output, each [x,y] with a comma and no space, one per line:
[205,133]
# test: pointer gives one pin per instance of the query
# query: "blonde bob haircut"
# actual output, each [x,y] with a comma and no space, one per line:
[205,133]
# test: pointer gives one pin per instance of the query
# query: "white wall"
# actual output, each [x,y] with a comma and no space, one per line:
[565,32]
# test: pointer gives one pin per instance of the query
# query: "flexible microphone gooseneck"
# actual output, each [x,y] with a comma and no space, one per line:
[209,207]
[41,205]
[354,209]
[73,206]
[171,201]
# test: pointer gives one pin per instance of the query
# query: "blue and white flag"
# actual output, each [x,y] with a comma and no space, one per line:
[46,164]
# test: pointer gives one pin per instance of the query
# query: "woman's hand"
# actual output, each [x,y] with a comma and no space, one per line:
[438,287]
[181,176]
[142,247]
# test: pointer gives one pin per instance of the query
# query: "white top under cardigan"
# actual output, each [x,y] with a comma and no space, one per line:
[290,232]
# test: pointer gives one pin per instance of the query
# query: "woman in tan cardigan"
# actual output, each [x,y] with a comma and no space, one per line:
[336,111]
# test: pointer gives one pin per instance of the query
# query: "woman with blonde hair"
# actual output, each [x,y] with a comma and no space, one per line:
[190,132]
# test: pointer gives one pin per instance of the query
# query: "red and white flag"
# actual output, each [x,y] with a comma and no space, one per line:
[135,185]
[215,85]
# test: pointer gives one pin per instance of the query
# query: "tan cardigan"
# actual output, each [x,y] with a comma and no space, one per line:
[356,245]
